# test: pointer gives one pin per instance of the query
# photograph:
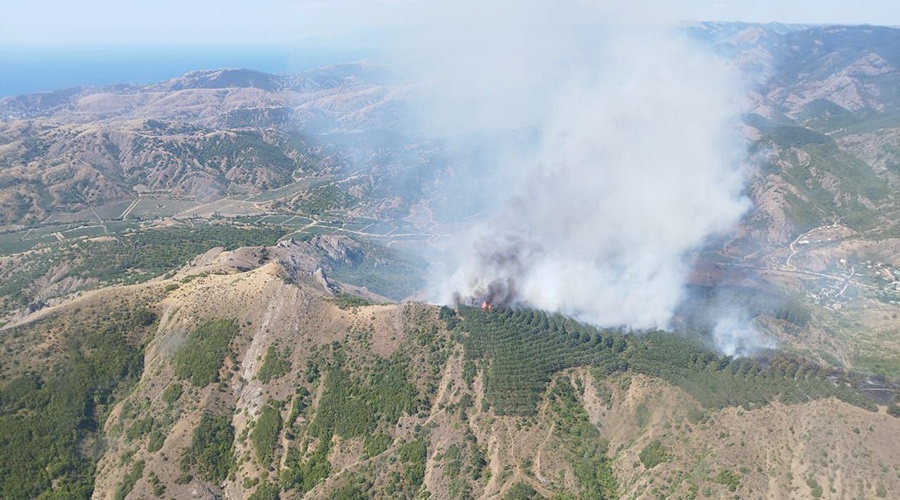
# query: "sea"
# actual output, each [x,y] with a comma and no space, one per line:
[25,70]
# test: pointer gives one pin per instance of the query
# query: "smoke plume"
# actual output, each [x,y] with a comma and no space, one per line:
[634,165]
[736,335]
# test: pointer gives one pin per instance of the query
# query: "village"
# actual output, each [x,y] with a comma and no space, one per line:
[835,282]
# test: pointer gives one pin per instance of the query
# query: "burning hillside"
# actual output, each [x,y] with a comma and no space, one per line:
[635,167]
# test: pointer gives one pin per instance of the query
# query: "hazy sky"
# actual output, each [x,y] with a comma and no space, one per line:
[91,22]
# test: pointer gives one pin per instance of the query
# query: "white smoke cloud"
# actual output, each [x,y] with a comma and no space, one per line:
[736,335]
[635,168]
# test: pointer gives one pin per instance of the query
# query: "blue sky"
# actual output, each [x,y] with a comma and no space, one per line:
[100,22]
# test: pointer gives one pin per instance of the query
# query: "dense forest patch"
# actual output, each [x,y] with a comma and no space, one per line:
[521,349]
[47,418]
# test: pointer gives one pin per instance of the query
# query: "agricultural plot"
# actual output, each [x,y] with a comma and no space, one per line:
[308,232]
[89,231]
[409,237]
[119,227]
[381,229]
[296,222]
[11,243]
[26,239]
[112,211]
[273,219]
[159,207]
[358,224]
[237,208]
[42,231]
[225,207]
[67,218]
[288,190]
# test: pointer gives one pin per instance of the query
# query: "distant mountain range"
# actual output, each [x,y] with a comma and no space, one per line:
[209,133]
[203,135]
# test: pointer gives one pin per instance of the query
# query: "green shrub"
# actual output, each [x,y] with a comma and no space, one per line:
[521,491]
[347,301]
[172,393]
[729,479]
[139,429]
[815,487]
[274,366]
[306,475]
[131,478]
[156,441]
[265,434]
[298,406]
[376,444]
[413,456]
[581,441]
[642,415]
[265,491]
[894,410]
[352,490]
[158,488]
[211,451]
[654,454]
[351,407]
[200,358]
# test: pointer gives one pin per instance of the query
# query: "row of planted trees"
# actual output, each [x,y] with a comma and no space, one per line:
[520,350]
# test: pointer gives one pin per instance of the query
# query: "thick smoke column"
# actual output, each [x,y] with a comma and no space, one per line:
[636,165]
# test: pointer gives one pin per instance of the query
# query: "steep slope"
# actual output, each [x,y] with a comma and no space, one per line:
[251,385]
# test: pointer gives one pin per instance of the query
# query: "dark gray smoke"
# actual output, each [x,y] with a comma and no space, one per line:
[504,261]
